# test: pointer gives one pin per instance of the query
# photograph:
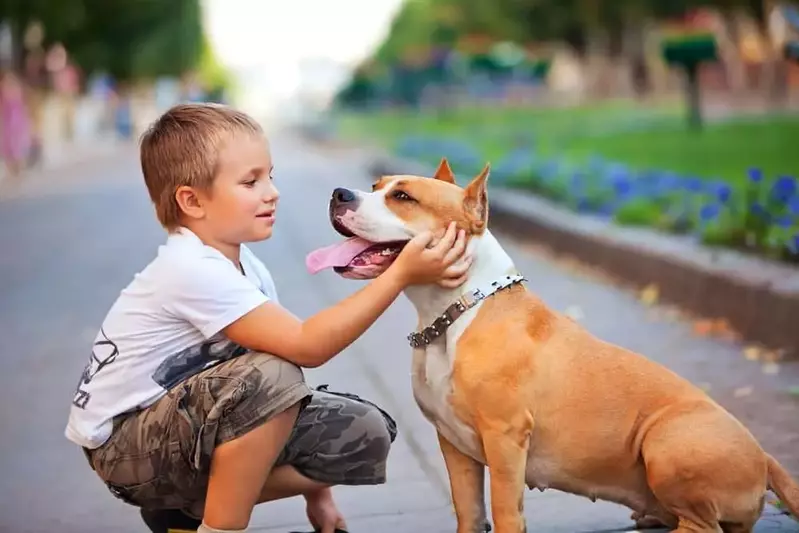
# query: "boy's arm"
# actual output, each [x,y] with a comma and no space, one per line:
[272,329]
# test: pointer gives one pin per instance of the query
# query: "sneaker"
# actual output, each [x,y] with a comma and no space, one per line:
[169,521]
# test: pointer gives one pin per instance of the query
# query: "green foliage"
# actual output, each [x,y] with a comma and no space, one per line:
[420,25]
[129,39]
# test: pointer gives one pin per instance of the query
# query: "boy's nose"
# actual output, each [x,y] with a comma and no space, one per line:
[343,196]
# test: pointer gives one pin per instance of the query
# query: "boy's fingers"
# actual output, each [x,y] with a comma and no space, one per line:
[458,269]
[457,250]
[446,241]
[422,240]
[453,283]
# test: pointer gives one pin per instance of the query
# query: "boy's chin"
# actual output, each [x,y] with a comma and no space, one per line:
[256,234]
[262,234]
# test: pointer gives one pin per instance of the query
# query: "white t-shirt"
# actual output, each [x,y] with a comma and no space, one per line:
[164,327]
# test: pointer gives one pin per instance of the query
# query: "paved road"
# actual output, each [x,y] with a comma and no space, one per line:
[72,240]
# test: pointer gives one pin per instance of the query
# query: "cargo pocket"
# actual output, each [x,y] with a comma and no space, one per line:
[391,424]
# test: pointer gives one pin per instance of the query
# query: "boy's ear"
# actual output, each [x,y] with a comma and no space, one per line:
[189,202]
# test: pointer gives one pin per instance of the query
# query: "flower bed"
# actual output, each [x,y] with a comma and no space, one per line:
[758,213]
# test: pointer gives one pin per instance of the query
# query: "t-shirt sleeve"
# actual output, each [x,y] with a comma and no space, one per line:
[210,293]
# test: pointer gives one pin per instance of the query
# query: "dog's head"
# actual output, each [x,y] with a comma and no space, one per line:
[378,224]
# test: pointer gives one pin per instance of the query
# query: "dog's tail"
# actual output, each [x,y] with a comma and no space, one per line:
[780,481]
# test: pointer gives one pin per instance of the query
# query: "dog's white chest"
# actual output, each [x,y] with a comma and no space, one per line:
[432,387]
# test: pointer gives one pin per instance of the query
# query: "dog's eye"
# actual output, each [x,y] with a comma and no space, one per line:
[400,195]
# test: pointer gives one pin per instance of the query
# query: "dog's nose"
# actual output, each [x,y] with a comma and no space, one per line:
[343,196]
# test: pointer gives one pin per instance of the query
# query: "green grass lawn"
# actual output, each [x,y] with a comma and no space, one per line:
[723,150]
[493,128]
[654,138]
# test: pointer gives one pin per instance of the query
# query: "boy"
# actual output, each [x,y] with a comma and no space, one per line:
[193,406]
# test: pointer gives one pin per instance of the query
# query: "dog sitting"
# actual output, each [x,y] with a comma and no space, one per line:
[512,385]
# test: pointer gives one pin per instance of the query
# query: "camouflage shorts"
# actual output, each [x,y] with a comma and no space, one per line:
[160,457]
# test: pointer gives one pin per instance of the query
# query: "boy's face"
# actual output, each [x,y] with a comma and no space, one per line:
[243,199]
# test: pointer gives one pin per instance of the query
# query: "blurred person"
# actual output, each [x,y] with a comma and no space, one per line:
[35,78]
[15,126]
[193,405]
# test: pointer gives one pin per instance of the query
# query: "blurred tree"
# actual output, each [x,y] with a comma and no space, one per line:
[612,27]
[129,39]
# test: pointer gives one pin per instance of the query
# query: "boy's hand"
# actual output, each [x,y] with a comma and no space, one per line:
[442,263]
[323,513]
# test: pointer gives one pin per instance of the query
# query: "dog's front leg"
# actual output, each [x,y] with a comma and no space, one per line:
[467,482]
[506,455]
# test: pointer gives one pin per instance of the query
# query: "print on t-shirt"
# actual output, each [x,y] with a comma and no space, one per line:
[190,361]
[104,352]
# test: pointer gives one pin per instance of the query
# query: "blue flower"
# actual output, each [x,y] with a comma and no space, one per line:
[785,221]
[723,191]
[755,175]
[709,212]
[793,205]
[622,186]
[784,188]
[693,184]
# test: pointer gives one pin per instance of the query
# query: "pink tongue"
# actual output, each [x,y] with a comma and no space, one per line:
[336,255]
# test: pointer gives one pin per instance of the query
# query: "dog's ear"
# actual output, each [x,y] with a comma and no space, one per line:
[475,200]
[444,172]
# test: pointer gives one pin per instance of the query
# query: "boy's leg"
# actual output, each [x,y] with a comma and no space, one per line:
[161,457]
[239,469]
[337,440]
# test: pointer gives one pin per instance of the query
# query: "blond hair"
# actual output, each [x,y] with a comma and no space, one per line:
[181,148]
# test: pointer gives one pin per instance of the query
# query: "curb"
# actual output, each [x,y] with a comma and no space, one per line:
[715,283]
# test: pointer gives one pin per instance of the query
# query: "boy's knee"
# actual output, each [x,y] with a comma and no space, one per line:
[341,441]
[257,388]
[371,428]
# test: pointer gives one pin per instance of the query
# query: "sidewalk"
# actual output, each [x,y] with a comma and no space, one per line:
[63,165]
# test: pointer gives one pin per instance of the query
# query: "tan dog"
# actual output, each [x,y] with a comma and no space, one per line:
[515,386]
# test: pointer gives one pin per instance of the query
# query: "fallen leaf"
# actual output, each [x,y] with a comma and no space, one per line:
[772,356]
[771,368]
[742,392]
[650,294]
[703,327]
[752,353]
[718,327]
